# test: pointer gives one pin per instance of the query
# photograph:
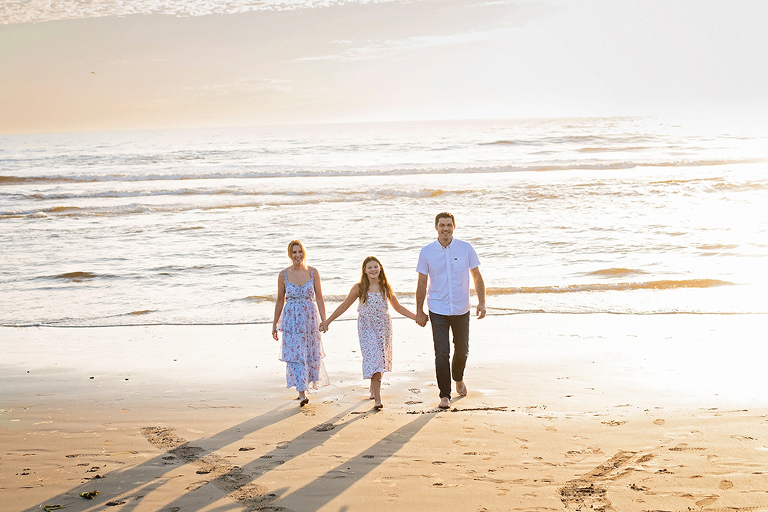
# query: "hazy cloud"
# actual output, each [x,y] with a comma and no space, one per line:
[243,86]
[30,11]
[376,50]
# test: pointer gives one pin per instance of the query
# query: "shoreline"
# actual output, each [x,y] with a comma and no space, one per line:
[634,413]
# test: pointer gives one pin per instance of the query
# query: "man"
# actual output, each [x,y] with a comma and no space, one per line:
[447,264]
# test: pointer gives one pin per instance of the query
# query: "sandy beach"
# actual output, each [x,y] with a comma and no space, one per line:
[607,161]
[565,412]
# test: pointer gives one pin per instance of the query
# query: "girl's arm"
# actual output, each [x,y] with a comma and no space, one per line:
[319,297]
[278,303]
[400,308]
[354,293]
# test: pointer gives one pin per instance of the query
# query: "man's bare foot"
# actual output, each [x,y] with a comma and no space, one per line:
[461,388]
[445,403]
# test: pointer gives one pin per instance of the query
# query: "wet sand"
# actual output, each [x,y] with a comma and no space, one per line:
[565,412]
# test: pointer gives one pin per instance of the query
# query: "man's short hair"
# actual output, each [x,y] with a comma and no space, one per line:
[444,215]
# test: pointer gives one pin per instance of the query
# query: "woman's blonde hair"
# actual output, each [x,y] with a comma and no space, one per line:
[303,250]
[383,283]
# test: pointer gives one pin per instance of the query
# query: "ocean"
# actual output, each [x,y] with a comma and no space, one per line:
[630,216]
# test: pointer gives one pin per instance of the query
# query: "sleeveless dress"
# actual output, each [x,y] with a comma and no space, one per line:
[302,348]
[374,328]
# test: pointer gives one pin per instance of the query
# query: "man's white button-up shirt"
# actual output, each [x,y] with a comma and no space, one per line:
[448,270]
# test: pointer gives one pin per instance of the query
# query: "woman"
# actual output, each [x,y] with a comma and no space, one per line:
[297,316]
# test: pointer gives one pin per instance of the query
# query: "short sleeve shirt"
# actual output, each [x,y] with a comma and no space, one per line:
[448,271]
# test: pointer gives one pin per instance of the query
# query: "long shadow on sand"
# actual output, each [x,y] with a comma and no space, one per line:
[131,484]
[126,488]
[322,490]
[237,482]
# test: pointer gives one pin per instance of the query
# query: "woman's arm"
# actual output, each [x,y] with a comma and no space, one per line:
[278,302]
[319,296]
[400,308]
[354,293]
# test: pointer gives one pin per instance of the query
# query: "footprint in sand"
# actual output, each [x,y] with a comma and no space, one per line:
[683,447]
[195,486]
[227,478]
[589,491]
[725,484]
[707,501]
[659,422]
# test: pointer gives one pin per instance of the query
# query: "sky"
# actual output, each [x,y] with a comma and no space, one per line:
[84,65]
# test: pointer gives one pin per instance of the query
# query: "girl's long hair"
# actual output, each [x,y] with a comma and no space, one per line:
[383,283]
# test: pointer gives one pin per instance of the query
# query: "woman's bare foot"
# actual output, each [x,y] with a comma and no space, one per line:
[445,403]
[303,400]
[461,388]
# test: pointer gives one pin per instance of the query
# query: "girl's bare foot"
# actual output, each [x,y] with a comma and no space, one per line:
[376,389]
[303,400]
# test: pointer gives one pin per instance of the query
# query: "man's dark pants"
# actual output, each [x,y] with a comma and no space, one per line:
[441,325]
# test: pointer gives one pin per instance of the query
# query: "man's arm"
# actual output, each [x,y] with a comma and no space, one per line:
[479,290]
[421,294]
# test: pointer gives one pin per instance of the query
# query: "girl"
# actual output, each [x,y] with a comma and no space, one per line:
[374,325]
[302,348]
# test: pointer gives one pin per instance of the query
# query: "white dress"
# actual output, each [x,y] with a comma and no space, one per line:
[374,328]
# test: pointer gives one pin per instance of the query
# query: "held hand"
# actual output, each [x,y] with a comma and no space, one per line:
[421,318]
[323,326]
[480,311]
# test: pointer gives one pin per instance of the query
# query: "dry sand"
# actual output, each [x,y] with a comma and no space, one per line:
[565,412]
